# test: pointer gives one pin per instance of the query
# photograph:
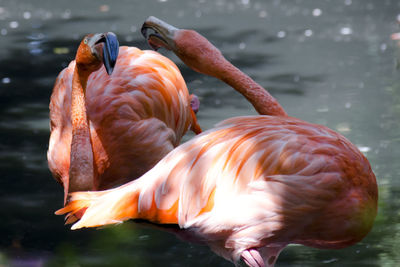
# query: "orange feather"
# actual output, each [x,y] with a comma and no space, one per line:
[136,116]
[251,185]
[285,181]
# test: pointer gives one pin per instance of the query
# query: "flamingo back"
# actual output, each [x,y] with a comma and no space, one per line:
[136,116]
[259,181]
[251,183]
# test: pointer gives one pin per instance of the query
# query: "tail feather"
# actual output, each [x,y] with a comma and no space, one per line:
[94,209]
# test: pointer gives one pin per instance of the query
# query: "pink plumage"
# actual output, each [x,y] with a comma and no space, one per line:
[136,116]
[252,184]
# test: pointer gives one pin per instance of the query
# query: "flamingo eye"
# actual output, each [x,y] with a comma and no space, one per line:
[85,40]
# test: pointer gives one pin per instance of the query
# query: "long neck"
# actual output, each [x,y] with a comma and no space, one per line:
[81,172]
[263,102]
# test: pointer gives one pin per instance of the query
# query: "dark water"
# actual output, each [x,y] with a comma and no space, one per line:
[328,62]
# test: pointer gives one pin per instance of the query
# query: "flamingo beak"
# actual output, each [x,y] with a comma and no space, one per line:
[109,49]
[162,34]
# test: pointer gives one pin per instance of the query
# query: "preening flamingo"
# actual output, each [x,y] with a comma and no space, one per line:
[251,185]
[118,126]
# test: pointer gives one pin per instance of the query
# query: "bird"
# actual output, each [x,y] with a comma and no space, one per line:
[119,125]
[249,186]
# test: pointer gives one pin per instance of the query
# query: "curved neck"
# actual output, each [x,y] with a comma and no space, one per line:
[263,102]
[81,170]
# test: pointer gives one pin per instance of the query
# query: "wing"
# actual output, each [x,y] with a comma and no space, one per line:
[272,176]
[60,125]
[137,115]
[249,182]
[238,158]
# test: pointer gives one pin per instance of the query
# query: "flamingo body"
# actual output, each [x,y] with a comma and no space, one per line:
[251,185]
[136,116]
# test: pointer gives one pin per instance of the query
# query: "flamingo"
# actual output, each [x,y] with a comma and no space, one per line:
[107,130]
[251,185]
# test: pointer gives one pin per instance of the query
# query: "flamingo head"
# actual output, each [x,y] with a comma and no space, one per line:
[97,49]
[190,46]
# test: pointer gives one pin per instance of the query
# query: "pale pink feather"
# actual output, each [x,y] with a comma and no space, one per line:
[136,115]
[251,185]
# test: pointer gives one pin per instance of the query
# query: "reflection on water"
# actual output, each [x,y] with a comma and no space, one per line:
[329,62]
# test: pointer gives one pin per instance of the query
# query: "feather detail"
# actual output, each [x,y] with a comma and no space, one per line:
[101,208]
[252,185]
[136,116]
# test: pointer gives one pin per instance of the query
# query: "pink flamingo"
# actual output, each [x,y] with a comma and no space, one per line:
[108,130]
[251,185]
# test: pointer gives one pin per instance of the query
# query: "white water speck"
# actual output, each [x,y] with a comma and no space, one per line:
[133,28]
[383,47]
[6,80]
[346,31]
[330,260]
[245,2]
[348,2]
[316,12]
[263,14]
[281,34]
[323,109]
[36,51]
[308,32]
[364,149]
[343,127]
[242,46]
[347,105]
[14,24]
[27,15]
[36,36]
[3,31]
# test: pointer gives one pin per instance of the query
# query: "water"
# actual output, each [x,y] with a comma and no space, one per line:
[328,62]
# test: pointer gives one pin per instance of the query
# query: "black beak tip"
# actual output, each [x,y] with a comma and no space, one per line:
[109,70]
